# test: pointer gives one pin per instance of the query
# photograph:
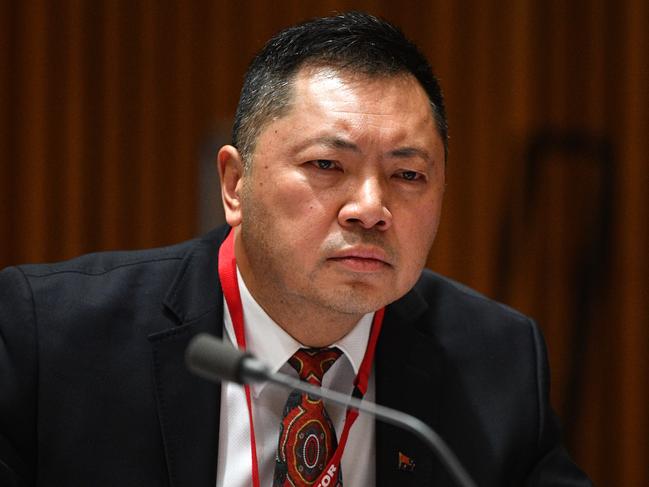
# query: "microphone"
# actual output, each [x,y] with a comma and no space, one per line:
[215,360]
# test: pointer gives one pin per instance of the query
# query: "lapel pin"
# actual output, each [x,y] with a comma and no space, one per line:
[406,463]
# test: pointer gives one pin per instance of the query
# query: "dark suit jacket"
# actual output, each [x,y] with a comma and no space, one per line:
[94,390]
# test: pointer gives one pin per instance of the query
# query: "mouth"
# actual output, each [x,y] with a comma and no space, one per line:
[362,259]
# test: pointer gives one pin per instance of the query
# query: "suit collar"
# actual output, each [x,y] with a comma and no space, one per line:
[196,289]
[188,406]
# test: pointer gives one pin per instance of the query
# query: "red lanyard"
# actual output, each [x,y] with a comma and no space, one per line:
[230,285]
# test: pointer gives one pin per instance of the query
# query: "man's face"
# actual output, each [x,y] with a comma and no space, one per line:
[343,200]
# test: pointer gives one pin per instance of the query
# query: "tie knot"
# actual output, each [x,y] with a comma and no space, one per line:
[312,363]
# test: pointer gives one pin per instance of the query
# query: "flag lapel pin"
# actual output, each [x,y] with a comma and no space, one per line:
[406,463]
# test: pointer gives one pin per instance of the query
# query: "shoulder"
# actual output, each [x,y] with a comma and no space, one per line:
[147,264]
[469,324]
[119,280]
[442,294]
[102,263]
[97,278]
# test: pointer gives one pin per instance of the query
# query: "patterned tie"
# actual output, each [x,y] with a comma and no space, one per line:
[307,439]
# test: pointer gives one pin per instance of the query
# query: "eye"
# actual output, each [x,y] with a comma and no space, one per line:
[324,164]
[410,176]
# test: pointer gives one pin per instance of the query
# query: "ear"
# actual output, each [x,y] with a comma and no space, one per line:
[230,166]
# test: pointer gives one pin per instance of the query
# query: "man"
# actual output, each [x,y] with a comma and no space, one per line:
[332,191]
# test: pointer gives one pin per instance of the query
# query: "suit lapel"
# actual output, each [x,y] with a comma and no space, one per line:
[407,375]
[188,406]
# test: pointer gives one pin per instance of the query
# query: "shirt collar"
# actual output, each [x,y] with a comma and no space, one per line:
[268,341]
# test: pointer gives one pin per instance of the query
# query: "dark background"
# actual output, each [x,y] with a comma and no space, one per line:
[112,112]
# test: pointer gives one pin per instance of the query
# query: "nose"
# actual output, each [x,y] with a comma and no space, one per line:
[366,206]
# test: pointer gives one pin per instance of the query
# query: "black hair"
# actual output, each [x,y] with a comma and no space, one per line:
[352,41]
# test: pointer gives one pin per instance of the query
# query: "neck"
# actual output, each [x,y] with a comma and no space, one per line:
[313,329]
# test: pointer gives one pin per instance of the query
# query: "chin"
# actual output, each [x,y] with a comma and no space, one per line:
[358,302]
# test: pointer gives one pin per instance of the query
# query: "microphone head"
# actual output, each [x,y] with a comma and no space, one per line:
[214,359]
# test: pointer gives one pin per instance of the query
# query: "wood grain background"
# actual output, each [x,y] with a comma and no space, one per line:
[110,109]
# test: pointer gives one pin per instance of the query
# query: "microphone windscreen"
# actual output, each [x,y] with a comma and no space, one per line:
[214,359]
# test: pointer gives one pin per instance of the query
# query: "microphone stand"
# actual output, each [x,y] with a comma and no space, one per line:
[253,370]
[212,359]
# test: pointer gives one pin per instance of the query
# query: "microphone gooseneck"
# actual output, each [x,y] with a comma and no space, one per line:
[215,360]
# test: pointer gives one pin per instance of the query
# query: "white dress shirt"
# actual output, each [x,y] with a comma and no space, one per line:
[267,341]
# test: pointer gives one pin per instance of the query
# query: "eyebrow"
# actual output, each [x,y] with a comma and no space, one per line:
[406,152]
[340,143]
[331,142]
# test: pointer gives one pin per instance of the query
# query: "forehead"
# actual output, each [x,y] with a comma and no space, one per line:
[386,109]
[325,84]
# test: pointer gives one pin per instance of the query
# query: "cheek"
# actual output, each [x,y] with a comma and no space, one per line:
[299,205]
[418,227]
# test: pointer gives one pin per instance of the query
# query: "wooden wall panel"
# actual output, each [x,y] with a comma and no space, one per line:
[108,106]
[73,131]
[632,385]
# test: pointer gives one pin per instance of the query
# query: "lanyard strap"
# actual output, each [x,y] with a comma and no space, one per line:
[230,286]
